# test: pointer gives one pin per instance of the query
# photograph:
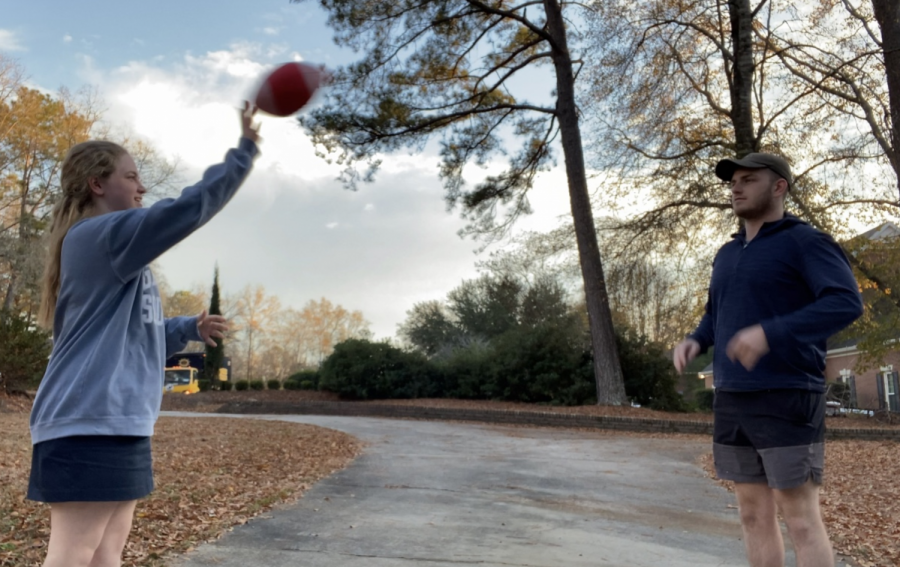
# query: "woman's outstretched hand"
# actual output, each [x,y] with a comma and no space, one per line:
[211,327]
[249,129]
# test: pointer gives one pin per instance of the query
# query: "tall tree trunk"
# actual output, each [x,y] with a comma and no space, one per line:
[11,290]
[607,369]
[250,357]
[887,12]
[16,259]
[742,77]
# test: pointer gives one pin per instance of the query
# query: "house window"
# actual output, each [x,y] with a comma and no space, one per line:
[848,396]
[889,390]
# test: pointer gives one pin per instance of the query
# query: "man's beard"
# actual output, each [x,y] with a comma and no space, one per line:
[758,208]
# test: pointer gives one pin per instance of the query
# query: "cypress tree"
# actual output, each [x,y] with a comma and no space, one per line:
[214,355]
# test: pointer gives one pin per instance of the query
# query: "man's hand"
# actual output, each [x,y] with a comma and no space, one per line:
[686,351]
[747,346]
[211,326]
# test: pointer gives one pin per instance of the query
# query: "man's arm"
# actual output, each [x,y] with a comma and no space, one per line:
[837,302]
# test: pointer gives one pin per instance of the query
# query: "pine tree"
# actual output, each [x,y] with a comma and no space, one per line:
[450,69]
[214,355]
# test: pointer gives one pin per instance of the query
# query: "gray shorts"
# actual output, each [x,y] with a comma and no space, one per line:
[771,436]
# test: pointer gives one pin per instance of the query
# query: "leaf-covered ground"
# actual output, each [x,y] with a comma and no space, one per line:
[211,474]
[859,500]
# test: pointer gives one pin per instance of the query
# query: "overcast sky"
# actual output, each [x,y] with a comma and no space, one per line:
[174,71]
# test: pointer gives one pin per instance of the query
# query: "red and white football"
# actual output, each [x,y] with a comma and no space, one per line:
[289,88]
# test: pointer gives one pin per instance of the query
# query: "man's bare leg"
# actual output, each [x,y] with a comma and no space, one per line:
[762,534]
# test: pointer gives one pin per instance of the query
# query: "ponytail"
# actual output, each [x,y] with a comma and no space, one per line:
[85,161]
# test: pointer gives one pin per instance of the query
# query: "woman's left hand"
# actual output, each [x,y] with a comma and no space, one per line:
[210,327]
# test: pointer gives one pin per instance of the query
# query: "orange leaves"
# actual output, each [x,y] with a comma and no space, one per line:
[211,474]
[303,338]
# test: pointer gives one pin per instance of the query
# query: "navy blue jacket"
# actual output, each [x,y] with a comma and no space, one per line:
[794,281]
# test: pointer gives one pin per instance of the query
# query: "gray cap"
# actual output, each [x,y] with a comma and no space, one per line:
[725,169]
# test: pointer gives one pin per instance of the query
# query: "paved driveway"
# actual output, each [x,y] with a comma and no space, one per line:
[442,494]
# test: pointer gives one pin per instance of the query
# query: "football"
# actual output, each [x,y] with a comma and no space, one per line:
[289,88]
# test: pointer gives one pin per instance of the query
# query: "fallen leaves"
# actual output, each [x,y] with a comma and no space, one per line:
[859,500]
[210,474]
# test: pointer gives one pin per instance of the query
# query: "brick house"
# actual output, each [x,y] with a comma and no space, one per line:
[876,388]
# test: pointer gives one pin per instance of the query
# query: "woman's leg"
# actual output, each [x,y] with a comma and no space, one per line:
[109,553]
[85,534]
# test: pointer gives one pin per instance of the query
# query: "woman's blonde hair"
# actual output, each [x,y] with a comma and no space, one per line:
[85,161]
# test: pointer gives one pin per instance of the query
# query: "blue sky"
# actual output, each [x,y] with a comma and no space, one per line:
[56,36]
[172,72]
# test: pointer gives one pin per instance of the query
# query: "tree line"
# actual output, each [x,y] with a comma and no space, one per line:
[499,337]
[266,339]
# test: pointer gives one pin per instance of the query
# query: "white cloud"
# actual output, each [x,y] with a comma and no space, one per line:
[271,30]
[10,41]
[67,38]
[379,264]
[189,109]
[277,51]
[237,63]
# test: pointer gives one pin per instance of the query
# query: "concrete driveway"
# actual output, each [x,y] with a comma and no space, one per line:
[442,494]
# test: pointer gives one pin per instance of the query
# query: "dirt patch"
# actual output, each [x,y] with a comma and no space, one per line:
[15,403]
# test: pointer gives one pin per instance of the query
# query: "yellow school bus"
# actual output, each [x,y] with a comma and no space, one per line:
[181,379]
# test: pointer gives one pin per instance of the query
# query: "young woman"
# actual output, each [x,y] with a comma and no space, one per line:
[100,396]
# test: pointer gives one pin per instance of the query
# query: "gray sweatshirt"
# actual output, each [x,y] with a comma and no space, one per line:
[110,340]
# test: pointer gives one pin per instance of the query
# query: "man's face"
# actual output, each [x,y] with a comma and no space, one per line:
[752,193]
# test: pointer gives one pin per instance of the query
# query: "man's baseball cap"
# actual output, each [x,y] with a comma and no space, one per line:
[725,169]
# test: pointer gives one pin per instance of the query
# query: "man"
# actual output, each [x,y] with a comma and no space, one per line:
[779,289]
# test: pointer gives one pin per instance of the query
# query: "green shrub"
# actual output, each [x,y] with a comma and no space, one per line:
[203,385]
[362,370]
[704,399]
[544,363]
[241,385]
[273,384]
[466,371]
[225,386]
[650,377]
[257,385]
[306,385]
[24,349]
[311,376]
[291,385]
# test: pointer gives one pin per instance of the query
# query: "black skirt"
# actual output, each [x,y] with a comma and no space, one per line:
[91,468]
